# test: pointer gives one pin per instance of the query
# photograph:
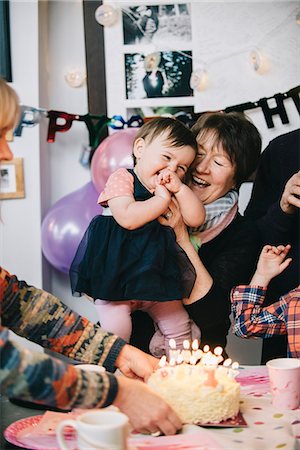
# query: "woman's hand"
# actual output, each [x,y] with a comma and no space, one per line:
[172,218]
[290,199]
[134,363]
[147,411]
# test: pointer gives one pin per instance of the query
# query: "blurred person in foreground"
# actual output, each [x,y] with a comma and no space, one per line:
[42,318]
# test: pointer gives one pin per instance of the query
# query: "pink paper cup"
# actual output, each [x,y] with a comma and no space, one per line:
[284,375]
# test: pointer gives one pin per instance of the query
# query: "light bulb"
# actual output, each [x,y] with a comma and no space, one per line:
[75,78]
[106,15]
[199,79]
[259,61]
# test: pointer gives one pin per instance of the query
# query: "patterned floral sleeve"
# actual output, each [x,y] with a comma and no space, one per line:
[42,318]
[250,318]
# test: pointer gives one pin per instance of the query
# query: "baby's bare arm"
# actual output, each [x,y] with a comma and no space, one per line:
[192,209]
[132,214]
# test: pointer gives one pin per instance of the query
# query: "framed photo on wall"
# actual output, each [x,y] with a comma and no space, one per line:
[12,179]
[130,65]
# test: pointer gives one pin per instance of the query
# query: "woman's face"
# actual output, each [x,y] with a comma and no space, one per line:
[213,172]
[5,152]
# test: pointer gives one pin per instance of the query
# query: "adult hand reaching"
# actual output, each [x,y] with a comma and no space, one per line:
[290,199]
[173,218]
[134,363]
[147,411]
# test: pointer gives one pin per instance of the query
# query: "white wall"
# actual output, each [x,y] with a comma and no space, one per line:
[57,28]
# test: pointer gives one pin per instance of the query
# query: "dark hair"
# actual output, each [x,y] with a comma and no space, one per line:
[177,133]
[238,136]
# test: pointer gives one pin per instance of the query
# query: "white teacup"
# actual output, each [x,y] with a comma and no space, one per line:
[97,430]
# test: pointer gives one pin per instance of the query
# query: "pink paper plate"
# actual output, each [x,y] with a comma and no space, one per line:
[13,435]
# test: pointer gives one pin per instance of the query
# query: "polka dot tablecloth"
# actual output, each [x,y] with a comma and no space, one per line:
[268,428]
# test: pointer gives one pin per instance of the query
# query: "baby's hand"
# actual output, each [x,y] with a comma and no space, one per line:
[272,260]
[162,191]
[170,180]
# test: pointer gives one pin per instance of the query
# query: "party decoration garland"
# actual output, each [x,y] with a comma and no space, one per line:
[31,116]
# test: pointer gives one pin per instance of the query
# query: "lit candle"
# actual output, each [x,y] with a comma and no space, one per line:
[233,372]
[210,381]
[186,353]
[206,348]
[210,362]
[173,353]
[218,352]
[179,359]
[162,361]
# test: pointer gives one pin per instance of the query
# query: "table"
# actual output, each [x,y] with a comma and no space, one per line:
[268,428]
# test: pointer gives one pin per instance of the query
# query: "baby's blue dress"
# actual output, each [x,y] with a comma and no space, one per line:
[113,263]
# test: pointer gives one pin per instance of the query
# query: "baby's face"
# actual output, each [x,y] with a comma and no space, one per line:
[160,154]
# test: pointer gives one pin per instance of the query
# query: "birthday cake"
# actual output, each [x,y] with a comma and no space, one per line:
[199,393]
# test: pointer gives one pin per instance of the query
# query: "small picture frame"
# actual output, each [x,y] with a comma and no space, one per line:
[12,179]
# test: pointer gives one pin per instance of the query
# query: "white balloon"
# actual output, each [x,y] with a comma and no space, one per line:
[106,15]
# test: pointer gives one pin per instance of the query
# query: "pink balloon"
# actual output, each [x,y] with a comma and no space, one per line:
[114,152]
[65,223]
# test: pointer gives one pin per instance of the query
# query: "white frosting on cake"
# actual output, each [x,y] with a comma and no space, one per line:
[185,388]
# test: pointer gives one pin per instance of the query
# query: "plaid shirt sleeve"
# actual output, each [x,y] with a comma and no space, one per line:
[251,319]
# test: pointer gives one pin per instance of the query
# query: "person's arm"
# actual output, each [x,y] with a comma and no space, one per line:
[274,201]
[34,376]
[39,378]
[131,214]
[250,319]
[42,318]
[191,208]
[234,260]
[272,262]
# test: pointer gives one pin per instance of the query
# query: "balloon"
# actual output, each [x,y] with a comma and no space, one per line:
[114,152]
[65,223]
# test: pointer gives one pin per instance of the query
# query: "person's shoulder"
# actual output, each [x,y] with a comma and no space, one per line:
[288,142]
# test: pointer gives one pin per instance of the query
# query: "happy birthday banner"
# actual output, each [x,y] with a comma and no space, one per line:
[60,121]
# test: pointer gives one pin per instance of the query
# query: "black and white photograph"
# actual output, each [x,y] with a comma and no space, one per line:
[7,179]
[156,23]
[159,74]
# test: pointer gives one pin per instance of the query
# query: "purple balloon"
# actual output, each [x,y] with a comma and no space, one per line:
[65,223]
[114,152]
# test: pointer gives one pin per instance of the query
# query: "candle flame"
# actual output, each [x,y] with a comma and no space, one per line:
[206,348]
[227,362]
[193,360]
[218,351]
[235,365]
[172,344]
[179,359]
[195,344]
[162,361]
[210,360]
[186,344]
[172,362]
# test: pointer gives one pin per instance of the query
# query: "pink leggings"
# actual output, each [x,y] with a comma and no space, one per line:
[171,318]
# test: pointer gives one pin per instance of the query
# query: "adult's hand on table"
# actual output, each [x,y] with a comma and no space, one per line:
[147,411]
[134,363]
[290,199]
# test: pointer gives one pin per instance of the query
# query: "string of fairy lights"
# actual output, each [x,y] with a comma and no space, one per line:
[108,15]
